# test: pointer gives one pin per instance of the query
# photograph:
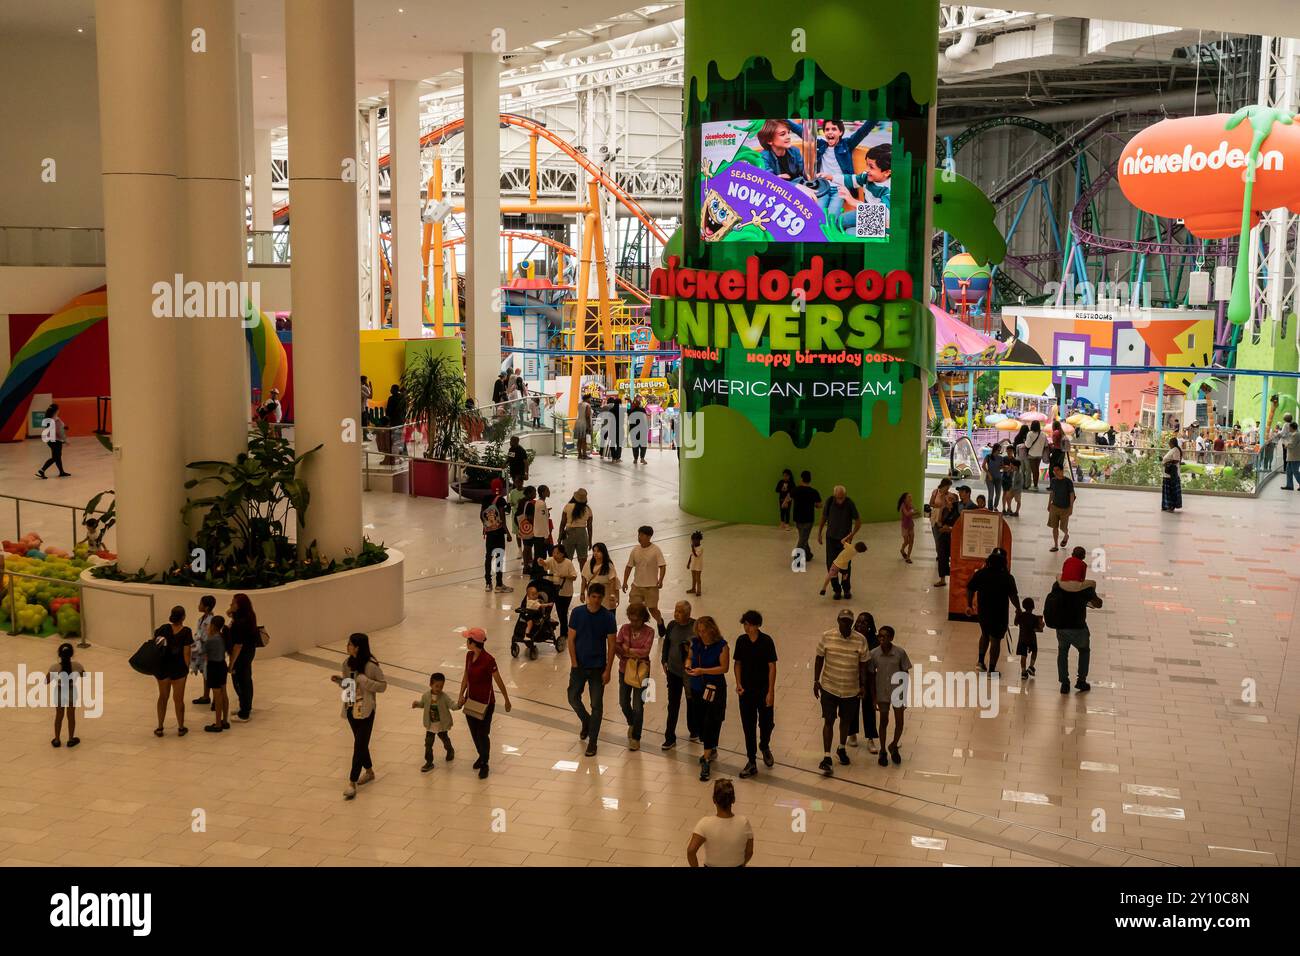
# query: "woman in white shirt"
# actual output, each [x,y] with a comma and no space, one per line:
[1035,448]
[1171,489]
[726,838]
[600,569]
[561,574]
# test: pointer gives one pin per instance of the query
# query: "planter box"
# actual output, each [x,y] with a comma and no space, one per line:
[430,479]
[298,616]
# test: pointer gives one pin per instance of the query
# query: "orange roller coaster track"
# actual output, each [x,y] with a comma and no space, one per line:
[533,128]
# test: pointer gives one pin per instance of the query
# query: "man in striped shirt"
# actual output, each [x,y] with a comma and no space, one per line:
[839,681]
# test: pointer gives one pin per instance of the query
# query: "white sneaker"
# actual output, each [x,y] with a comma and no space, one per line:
[853,740]
[871,745]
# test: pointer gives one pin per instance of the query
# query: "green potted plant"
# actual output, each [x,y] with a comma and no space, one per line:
[435,402]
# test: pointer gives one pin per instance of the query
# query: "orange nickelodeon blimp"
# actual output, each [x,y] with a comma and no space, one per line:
[1194,169]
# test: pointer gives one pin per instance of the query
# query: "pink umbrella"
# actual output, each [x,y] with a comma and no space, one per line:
[1034,417]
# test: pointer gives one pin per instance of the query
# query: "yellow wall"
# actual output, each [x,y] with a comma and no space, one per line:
[383,357]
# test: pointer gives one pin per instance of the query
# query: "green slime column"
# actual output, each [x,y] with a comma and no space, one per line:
[850,61]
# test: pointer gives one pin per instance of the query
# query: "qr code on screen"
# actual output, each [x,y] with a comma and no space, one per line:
[872,221]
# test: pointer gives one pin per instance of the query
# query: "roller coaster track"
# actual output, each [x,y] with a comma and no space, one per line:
[440,133]
[1149,247]
[562,247]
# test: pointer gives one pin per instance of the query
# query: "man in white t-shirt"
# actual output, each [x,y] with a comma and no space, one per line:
[645,574]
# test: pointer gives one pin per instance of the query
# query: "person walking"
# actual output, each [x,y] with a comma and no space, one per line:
[992,469]
[493,517]
[866,626]
[784,486]
[632,646]
[582,428]
[54,432]
[709,662]
[575,527]
[725,838]
[1291,449]
[1035,448]
[949,513]
[435,713]
[199,653]
[600,569]
[906,525]
[755,673]
[839,682]
[593,630]
[638,430]
[989,592]
[934,507]
[244,639]
[1020,453]
[1060,505]
[178,642]
[560,574]
[360,680]
[644,573]
[804,502]
[674,654]
[478,698]
[1066,612]
[840,522]
[1171,486]
[891,692]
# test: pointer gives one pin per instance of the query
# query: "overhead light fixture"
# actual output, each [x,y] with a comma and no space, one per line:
[80,30]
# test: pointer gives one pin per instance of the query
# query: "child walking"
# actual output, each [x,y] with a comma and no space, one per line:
[695,563]
[840,566]
[435,710]
[1013,484]
[1029,624]
[907,524]
[63,679]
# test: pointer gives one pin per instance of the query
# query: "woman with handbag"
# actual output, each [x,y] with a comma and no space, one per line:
[1171,489]
[361,679]
[632,646]
[710,661]
[177,641]
[477,698]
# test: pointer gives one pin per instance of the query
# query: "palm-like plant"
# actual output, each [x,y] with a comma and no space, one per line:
[245,522]
[435,399]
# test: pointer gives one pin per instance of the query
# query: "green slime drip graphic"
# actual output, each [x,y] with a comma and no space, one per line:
[1261,119]
[830,33]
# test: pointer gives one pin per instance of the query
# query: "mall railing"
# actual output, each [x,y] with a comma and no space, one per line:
[51,246]
[74,511]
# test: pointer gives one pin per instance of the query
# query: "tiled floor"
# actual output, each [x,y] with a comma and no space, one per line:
[1162,762]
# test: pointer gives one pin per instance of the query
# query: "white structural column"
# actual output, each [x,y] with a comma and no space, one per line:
[139,47]
[320,56]
[263,209]
[404,201]
[215,408]
[483,223]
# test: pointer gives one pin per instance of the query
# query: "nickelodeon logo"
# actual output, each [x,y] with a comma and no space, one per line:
[1194,161]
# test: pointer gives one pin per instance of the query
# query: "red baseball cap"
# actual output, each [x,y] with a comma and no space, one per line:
[476,634]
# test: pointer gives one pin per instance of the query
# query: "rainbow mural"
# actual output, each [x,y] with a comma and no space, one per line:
[38,353]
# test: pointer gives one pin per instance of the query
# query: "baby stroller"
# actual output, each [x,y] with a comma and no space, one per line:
[545,630]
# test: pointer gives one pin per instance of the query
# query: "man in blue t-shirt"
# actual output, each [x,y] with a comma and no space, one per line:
[592,629]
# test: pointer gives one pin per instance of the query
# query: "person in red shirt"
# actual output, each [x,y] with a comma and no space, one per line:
[477,698]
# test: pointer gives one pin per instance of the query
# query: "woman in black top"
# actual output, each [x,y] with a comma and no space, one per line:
[783,501]
[243,644]
[177,640]
[948,516]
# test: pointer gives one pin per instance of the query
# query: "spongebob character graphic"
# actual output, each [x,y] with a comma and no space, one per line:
[716,217]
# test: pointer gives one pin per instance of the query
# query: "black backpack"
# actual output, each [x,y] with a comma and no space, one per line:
[1052,607]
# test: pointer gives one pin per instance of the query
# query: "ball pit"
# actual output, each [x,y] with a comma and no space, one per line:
[48,601]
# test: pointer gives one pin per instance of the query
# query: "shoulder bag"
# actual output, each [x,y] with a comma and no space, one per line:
[636,670]
[263,638]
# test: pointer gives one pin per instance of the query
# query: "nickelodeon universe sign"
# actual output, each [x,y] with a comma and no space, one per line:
[700,310]
[1192,160]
